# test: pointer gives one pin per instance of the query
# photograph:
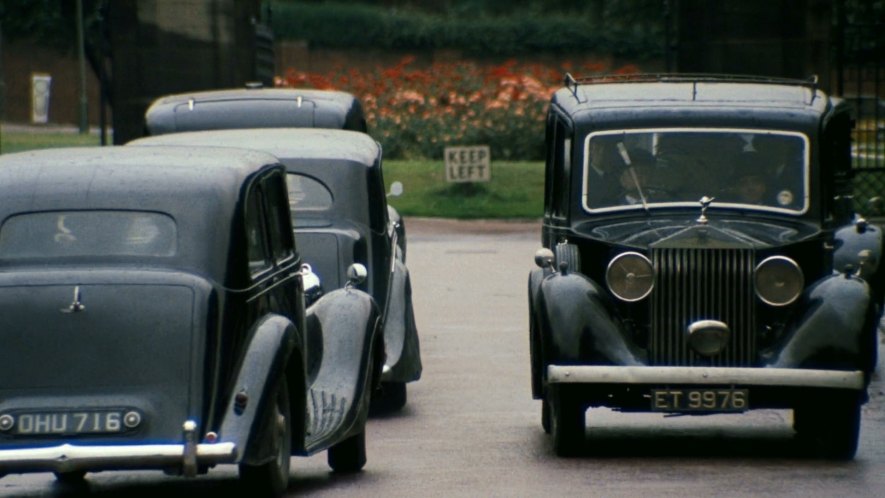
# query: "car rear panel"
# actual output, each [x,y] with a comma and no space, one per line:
[74,353]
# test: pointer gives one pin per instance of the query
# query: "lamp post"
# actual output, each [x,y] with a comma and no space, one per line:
[84,122]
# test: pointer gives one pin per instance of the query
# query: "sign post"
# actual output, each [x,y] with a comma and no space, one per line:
[468,164]
[40,97]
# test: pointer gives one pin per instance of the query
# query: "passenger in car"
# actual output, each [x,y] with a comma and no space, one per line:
[603,182]
[641,180]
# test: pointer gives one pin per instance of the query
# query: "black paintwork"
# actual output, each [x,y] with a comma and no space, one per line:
[174,337]
[255,108]
[576,320]
[355,227]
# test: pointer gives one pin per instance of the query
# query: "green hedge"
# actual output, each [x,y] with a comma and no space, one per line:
[348,25]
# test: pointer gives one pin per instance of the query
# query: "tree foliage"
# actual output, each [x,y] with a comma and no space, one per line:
[49,22]
[488,27]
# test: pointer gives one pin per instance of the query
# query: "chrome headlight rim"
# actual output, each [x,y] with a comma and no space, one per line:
[616,288]
[763,293]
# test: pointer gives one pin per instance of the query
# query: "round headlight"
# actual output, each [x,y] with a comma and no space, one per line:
[779,281]
[630,276]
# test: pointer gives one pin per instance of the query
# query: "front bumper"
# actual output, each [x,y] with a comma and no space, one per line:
[637,388]
[772,377]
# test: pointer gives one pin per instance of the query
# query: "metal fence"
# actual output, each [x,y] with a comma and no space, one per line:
[860,67]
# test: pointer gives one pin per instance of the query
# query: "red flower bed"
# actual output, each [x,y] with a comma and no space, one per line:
[415,112]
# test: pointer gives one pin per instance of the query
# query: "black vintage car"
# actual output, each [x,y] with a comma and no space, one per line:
[152,316]
[340,217]
[700,255]
[255,107]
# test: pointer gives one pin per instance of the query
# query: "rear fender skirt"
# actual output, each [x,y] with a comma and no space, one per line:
[347,324]
[271,344]
[577,327]
[833,331]
[403,363]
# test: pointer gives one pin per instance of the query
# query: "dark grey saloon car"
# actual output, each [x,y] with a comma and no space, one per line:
[153,316]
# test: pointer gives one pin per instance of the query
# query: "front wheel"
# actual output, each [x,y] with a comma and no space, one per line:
[566,423]
[389,397]
[831,427]
[271,478]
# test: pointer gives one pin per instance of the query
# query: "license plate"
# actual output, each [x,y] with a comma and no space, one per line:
[68,423]
[700,400]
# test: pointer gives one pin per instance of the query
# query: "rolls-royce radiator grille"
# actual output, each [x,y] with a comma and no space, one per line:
[702,284]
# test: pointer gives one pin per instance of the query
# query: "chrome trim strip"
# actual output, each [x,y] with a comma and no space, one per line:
[786,377]
[68,457]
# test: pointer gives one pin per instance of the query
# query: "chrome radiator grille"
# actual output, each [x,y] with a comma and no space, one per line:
[698,284]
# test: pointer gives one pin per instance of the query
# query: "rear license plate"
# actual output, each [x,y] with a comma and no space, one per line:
[700,400]
[68,423]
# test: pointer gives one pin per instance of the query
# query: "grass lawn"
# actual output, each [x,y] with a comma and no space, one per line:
[17,141]
[516,190]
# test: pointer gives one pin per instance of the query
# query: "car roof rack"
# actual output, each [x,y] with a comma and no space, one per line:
[572,83]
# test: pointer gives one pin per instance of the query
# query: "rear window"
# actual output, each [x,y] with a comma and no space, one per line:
[305,193]
[88,233]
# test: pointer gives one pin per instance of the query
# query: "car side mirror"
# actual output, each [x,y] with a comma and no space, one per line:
[356,274]
[396,189]
[843,208]
[874,206]
[544,258]
[310,281]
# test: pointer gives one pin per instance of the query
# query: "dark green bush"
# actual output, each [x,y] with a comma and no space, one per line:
[349,25]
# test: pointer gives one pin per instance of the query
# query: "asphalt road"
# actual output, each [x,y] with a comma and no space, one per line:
[470,427]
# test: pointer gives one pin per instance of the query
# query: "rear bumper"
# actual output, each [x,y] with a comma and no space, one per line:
[68,458]
[700,376]
[186,458]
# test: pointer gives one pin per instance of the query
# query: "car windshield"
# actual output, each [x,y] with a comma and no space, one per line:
[758,169]
[87,233]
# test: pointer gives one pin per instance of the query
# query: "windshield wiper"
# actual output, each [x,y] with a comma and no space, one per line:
[626,158]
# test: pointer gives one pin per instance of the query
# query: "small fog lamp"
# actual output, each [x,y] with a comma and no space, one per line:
[779,280]
[630,276]
[708,337]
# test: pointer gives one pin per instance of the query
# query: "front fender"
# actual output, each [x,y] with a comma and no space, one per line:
[837,330]
[270,346]
[577,327]
[345,322]
[851,241]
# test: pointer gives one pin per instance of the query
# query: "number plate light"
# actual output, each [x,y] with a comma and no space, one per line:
[7,422]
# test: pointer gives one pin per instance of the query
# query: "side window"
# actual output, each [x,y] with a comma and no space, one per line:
[550,141]
[377,198]
[561,156]
[258,253]
[278,223]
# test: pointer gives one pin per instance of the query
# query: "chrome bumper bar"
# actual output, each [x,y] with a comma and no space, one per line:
[68,458]
[786,377]
[187,457]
